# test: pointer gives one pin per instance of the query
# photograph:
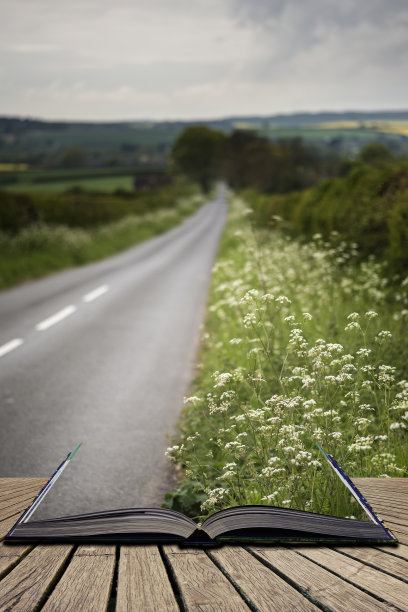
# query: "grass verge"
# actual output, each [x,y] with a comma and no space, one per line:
[42,248]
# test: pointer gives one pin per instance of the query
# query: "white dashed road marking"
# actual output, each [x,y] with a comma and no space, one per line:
[54,319]
[10,346]
[89,297]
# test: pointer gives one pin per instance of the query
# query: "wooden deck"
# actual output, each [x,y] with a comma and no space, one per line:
[154,578]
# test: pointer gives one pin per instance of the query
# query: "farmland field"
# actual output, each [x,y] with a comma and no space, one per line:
[106,184]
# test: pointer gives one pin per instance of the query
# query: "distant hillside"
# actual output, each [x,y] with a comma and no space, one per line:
[68,144]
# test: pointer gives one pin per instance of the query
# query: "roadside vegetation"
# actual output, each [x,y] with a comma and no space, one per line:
[364,199]
[369,206]
[304,342]
[43,233]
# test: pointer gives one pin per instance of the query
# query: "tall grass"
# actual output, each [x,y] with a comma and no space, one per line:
[301,345]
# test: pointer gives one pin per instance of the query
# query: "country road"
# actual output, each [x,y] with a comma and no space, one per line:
[103,355]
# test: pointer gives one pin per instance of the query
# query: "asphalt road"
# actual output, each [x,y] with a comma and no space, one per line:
[103,355]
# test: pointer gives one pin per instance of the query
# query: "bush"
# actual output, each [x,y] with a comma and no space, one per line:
[368,206]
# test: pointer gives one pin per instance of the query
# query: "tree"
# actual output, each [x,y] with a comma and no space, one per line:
[375,153]
[198,152]
[73,158]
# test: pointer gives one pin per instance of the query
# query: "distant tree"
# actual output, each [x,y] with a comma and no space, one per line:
[198,153]
[17,210]
[375,153]
[270,167]
[73,158]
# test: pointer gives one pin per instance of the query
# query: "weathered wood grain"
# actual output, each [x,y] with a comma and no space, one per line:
[384,513]
[382,482]
[397,551]
[9,554]
[22,500]
[20,484]
[42,577]
[86,583]
[5,494]
[7,524]
[393,501]
[264,588]
[202,584]
[397,526]
[379,559]
[8,512]
[324,587]
[382,489]
[143,583]
[401,537]
[16,505]
[25,586]
[386,587]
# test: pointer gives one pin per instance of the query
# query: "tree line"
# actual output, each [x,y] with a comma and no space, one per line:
[245,159]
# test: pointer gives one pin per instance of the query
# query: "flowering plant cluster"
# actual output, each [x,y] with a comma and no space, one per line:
[294,352]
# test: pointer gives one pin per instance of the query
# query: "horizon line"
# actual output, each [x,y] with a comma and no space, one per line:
[218,118]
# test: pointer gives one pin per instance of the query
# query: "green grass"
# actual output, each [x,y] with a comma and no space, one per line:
[105,184]
[302,344]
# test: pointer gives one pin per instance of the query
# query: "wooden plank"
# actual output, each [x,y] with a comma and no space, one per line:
[382,585]
[7,524]
[202,584]
[390,499]
[373,493]
[397,551]
[143,583]
[266,590]
[322,586]
[86,583]
[380,488]
[27,584]
[18,484]
[19,501]
[395,506]
[397,526]
[378,558]
[7,512]
[6,494]
[9,554]
[401,537]
[383,482]
[384,510]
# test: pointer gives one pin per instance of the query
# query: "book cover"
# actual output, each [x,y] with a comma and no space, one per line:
[237,525]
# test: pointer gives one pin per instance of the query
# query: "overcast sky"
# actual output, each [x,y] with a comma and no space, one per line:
[169,59]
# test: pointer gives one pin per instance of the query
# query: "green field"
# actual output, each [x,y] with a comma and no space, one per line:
[106,184]
[45,144]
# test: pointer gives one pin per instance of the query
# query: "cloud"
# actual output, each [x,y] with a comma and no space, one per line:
[376,30]
[317,45]
[190,58]
[317,13]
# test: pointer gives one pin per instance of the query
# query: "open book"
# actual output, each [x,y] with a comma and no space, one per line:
[242,524]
